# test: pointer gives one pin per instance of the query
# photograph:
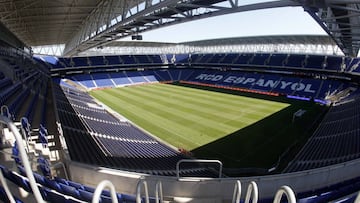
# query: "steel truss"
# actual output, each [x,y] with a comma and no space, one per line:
[114,19]
[340,19]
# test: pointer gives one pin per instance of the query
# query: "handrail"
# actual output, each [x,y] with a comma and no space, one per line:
[4,109]
[288,192]
[252,189]
[237,192]
[159,192]
[55,165]
[25,136]
[100,187]
[6,188]
[62,165]
[198,161]
[138,191]
[24,157]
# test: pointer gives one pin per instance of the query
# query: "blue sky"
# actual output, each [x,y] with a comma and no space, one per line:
[278,21]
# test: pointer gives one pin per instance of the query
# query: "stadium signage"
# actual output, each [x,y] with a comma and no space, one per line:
[283,84]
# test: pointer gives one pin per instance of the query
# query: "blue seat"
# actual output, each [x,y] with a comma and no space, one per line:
[52,184]
[44,166]
[51,196]
[86,195]
[69,190]
[20,181]
[75,185]
[15,154]
[4,197]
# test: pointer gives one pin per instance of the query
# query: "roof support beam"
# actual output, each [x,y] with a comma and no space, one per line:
[340,19]
[128,19]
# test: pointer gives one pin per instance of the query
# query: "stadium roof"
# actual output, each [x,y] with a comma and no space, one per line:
[279,39]
[84,24]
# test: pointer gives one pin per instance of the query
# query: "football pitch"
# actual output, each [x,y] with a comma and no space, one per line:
[210,124]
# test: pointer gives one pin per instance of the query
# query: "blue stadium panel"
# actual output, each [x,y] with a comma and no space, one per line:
[195,58]
[243,58]
[229,58]
[143,59]
[102,80]
[315,61]
[216,58]
[51,59]
[206,58]
[287,85]
[185,74]
[85,80]
[206,76]
[266,83]
[352,64]
[175,74]
[128,59]
[57,65]
[295,61]
[260,59]
[163,75]
[334,63]
[230,78]
[150,76]
[307,88]
[66,62]
[64,84]
[328,87]
[136,77]
[249,80]
[97,61]
[277,59]
[113,60]
[80,61]
[170,56]
[120,79]
[180,58]
[155,59]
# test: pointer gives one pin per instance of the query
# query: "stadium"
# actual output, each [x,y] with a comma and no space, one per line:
[88,116]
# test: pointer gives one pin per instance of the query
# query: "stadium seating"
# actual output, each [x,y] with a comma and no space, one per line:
[120,139]
[102,80]
[315,62]
[85,125]
[263,60]
[336,140]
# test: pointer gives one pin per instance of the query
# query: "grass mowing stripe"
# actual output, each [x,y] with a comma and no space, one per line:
[189,127]
[187,117]
[227,100]
[221,97]
[210,114]
[220,105]
[174,114]
[132,112]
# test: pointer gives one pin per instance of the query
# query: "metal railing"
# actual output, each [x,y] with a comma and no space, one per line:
[24,157]
[142,182]
[99,189]
[197,161]
[289,193]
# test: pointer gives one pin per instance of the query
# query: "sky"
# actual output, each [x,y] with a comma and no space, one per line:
[278,21]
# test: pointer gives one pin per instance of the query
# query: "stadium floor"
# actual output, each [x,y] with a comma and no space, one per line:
[241,131]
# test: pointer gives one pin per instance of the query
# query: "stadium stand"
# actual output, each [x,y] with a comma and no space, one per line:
[96,137]
[338,135]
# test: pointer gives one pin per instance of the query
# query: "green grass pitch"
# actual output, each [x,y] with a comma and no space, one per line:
[238,130]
